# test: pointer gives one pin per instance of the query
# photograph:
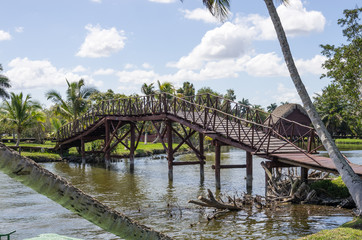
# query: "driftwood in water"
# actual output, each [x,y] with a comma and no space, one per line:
[213,203]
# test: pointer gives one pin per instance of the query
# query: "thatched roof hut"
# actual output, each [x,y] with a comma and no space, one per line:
[295,113]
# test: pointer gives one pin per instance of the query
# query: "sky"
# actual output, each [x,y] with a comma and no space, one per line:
[121,44]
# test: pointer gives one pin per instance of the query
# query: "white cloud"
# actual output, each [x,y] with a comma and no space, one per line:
[4,35]
[96,1]
[79,68]
[102,71]
[162,1]
[129,66]
[224,42]
[286,95]
[29,74]
[266,65]
[19,29]
[313,66]
[201,14]
[146,65]
[101,42]
[296,20]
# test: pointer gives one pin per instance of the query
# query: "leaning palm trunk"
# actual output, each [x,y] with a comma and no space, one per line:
[162,128]
[349,177]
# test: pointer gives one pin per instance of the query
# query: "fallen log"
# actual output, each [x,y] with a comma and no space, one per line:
[213,203]
[61,191]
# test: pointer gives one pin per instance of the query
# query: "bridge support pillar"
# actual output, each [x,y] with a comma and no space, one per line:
[169,150]
[202,157]
[132,147]
[82,150]
[217,164]
[107,154]
[304,174]
[249,172]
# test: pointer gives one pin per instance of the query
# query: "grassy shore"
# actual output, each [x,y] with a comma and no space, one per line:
[348,141]
[44,156]
[351,231]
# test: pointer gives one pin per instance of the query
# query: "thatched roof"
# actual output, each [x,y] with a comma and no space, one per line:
[286,109]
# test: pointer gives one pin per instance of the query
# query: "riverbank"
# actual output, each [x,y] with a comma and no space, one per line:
[44,152]
[351,231]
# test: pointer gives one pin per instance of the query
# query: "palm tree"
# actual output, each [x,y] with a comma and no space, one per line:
[271,107]
[187,90]
[220,9]
[4,83]
[148,89]
[76,101]
[22,113]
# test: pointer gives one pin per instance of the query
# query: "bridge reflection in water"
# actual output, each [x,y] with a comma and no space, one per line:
[282,142]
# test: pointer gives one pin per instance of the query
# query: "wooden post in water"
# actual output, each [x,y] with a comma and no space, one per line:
[132,147]
[304,174]
[217,164]
[267,178]
[169,150]
[249,172]
[107,154]
[82,150]
[202,157]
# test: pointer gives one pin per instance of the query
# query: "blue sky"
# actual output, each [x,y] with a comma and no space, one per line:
[121,44]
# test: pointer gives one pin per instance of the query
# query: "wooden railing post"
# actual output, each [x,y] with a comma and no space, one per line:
[310,141]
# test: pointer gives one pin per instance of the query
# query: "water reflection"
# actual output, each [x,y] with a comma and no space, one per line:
[148,196]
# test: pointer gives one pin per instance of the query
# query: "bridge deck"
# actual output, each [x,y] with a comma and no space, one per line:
[313,161]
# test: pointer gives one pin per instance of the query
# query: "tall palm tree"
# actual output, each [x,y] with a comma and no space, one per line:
[4,83]
[76,101]
[220,9]
[271,107]
[148,89]
[22,113]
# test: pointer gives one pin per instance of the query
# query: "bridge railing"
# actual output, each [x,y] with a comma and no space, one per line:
[213,113]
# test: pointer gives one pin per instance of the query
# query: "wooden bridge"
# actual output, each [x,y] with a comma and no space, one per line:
[285,143]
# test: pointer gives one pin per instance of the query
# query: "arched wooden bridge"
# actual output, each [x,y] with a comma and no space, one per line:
[283,142]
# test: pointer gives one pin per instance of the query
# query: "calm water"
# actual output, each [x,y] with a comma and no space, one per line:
[147,196]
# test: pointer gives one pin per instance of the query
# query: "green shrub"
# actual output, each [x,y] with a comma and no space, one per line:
[333,187]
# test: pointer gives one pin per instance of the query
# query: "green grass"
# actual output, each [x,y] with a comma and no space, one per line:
[348,141]
[47,144]
[333,187]
[351,231]
[39,156]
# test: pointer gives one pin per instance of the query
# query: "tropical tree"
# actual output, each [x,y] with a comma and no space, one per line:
[271,107]
[245,104]
[76,101]
[220,9]
[148,89]
[187,90]
[97,97]
[4,83]
[22,113]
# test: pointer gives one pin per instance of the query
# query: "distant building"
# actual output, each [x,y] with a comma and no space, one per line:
[293,112]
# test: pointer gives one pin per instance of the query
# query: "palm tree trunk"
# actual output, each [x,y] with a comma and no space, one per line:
[349,177]
[17,138]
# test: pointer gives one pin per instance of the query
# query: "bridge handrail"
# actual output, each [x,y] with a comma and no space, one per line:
[160,103]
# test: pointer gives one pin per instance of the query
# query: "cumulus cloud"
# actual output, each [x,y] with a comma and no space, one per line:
[79,68]
[286,94]
[101,42]
[96,1]
[4,35]
[296,21]
[29,74]
[313,66]
[201,14]
[224,42]
[162,1]
[103,71]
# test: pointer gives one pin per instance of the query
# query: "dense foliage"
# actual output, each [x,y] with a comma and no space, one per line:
[340,103]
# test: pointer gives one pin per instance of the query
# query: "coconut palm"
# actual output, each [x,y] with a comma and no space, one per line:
[271,107]
[4,83]
[148,89]
[76,101]
[220,9]
[22,113]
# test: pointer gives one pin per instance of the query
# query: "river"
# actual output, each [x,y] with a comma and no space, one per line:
[147,196]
